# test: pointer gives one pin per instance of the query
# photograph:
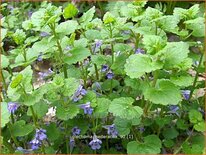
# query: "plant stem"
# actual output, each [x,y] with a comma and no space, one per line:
[52,27]
[12,118]
[34,116]
[12,136]
[112,47]
[196,76]
[179,149]
[4,83]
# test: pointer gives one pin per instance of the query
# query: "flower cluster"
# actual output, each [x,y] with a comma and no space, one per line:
[12,107]
[38,139]
[95,143]
[87,108]
[186,94]
[79,94]
[109,74]
[75,131]
[111,130]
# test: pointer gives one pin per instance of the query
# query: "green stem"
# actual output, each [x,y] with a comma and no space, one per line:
[112,48]
[24,55]
[52,27]
[12,136]
[4,83]
[133,132]
[12,118]
[196,76]
[111,86]
[8,146]
[95,66]
[179,149]
[34,116]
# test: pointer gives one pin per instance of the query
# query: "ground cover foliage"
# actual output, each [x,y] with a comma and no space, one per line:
[102,77]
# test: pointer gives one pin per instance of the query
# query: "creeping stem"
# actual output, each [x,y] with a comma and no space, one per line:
[52,27]
[196,76]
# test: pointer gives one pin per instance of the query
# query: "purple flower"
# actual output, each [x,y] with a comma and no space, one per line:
[174,109]
[35,144]
[40,134]
[110,75]
[68,48]
[98,43]
[95,143]
[39,58]
[186,94]
[79,94]
[44,34]
[25,151]
[76,131]
[139,51]
[111,130]
[71,143]
[30,14]
[43,75]
[87,108]
[97,86]
[12,107]
[104,68]
[141,129]
[10,7]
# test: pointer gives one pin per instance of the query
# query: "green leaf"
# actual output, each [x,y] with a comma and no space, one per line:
[163,121]
[87,16]
[3,33]
[110,83]
[187,14]
[40,109]
[70,86]
[5,115]
[151,145]
[123,108]
[195,116]
[35,96]
[153,43]
[52,131]
[200,126]
[182,79]
[172,53]
[170,133]
[181,124]
[64,113]
[20,128]
[102,107]
[67,27]
[197,26]
[16,81]
[70,11]
[108,18]
[164,92]
[168,143]
[93,34]
[77,54]
[124,125]
[4,61]
[19,36]
[138,64]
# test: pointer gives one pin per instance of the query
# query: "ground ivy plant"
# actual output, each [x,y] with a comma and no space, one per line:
[112,77]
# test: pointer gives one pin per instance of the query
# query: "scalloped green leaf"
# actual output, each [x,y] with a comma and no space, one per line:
[164,92]
[151,145]
[20,128]
[5,115]
[123,108]
[77,54]
[70,11]
[138,64]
